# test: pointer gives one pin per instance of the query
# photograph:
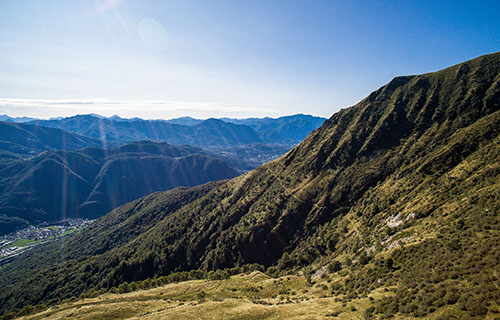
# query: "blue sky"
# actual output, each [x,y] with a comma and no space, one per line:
[163,59]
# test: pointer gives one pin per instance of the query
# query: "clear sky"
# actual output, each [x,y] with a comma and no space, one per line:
[163,59]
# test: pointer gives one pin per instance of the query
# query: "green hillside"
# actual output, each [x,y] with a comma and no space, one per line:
[399,193]
[22,140]
[90,182]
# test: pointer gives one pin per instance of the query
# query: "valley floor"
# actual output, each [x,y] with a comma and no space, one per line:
[23,240]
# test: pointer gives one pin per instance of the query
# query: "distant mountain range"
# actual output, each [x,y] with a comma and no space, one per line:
[207,134]
[88,183]
[250,142]
[291,129]
[245,143]
[257,139]
[284,130]
[4,117]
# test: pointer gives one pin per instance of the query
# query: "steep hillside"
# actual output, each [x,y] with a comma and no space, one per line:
[399,193]
[18,139]
[90,182]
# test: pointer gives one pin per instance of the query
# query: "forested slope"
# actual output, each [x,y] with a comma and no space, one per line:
[88,183]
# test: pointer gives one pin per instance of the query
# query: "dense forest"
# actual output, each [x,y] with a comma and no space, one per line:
[88,183]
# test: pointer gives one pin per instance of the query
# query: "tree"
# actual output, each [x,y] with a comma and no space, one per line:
[389,264]
[334,266]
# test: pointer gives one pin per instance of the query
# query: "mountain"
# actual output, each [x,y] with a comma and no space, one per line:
[88,183]
[21,141]
[261,140]
[18,139]
[4,117]
[208,134]
[186,121]
[284,130]
[25,140]
[288,130]
[397,195]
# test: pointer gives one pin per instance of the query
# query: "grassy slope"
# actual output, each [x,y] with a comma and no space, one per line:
[402,189]
[244,296]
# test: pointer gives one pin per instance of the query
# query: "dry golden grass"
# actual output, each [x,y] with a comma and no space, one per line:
[252,296]
[245,296]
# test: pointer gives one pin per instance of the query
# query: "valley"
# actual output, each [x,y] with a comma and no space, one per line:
[96,180]
[388,210]
[22,240]
[82,164]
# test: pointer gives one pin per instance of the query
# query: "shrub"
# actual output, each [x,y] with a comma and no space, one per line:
[124,288]
[334,266]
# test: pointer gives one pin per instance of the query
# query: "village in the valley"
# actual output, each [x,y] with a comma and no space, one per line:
[22,240]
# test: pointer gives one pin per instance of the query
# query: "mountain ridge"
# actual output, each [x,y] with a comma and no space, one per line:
[25,139]
[96,180]
[287,130]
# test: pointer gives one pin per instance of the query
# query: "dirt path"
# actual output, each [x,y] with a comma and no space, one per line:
[292,194]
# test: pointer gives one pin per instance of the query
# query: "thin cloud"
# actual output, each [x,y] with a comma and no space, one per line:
[150,109]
